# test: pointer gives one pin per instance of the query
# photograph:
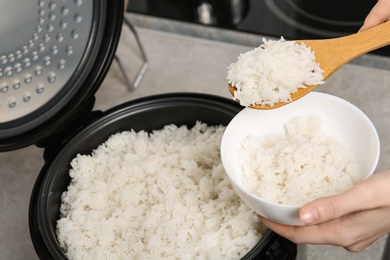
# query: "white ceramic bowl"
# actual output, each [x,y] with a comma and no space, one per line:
[340,120]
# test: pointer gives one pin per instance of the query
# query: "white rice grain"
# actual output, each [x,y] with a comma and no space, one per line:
[270,73]
[296,167]
[163,195]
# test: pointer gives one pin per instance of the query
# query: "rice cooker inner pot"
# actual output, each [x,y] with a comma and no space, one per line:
[151,113]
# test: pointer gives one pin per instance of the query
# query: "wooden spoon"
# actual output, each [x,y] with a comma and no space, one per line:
[331,54]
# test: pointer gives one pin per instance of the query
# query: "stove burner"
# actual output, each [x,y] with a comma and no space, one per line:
[293,15]
[321,19]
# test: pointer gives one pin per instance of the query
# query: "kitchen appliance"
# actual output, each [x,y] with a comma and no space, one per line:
[50,76]
[148,114]
[292,19]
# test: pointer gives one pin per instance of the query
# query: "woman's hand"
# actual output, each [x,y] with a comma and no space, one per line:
[379,14]
[356,218]
[353,219]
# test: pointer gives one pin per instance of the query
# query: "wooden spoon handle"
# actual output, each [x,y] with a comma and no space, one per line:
[331,54]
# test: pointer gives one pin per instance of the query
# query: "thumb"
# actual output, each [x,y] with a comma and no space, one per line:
[378,14]
[369,194]
[371,21]
[321,210]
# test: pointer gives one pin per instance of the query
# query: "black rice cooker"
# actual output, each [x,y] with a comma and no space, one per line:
[48,81]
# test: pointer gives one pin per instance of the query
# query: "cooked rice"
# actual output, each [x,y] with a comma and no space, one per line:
[270,73]
[298,167]
[163,195]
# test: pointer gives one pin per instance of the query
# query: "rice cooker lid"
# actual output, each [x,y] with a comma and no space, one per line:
[54,54]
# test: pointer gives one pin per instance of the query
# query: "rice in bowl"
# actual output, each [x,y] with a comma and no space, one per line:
[153,196]
[296,167]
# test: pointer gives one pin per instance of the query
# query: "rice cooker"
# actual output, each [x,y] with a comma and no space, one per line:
[49,75]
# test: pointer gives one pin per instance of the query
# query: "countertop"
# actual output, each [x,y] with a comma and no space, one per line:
[188,58]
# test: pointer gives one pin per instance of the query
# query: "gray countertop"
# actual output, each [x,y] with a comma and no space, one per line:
[188,58]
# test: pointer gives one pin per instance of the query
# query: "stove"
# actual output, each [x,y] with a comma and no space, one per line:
[292,19]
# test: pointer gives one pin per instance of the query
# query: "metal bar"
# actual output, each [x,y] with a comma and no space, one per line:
[134,85]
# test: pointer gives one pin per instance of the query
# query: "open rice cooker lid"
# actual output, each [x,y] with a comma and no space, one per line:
[54,54]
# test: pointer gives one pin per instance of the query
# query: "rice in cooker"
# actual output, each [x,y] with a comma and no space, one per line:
[270,73]
[162,195]
[296,167]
